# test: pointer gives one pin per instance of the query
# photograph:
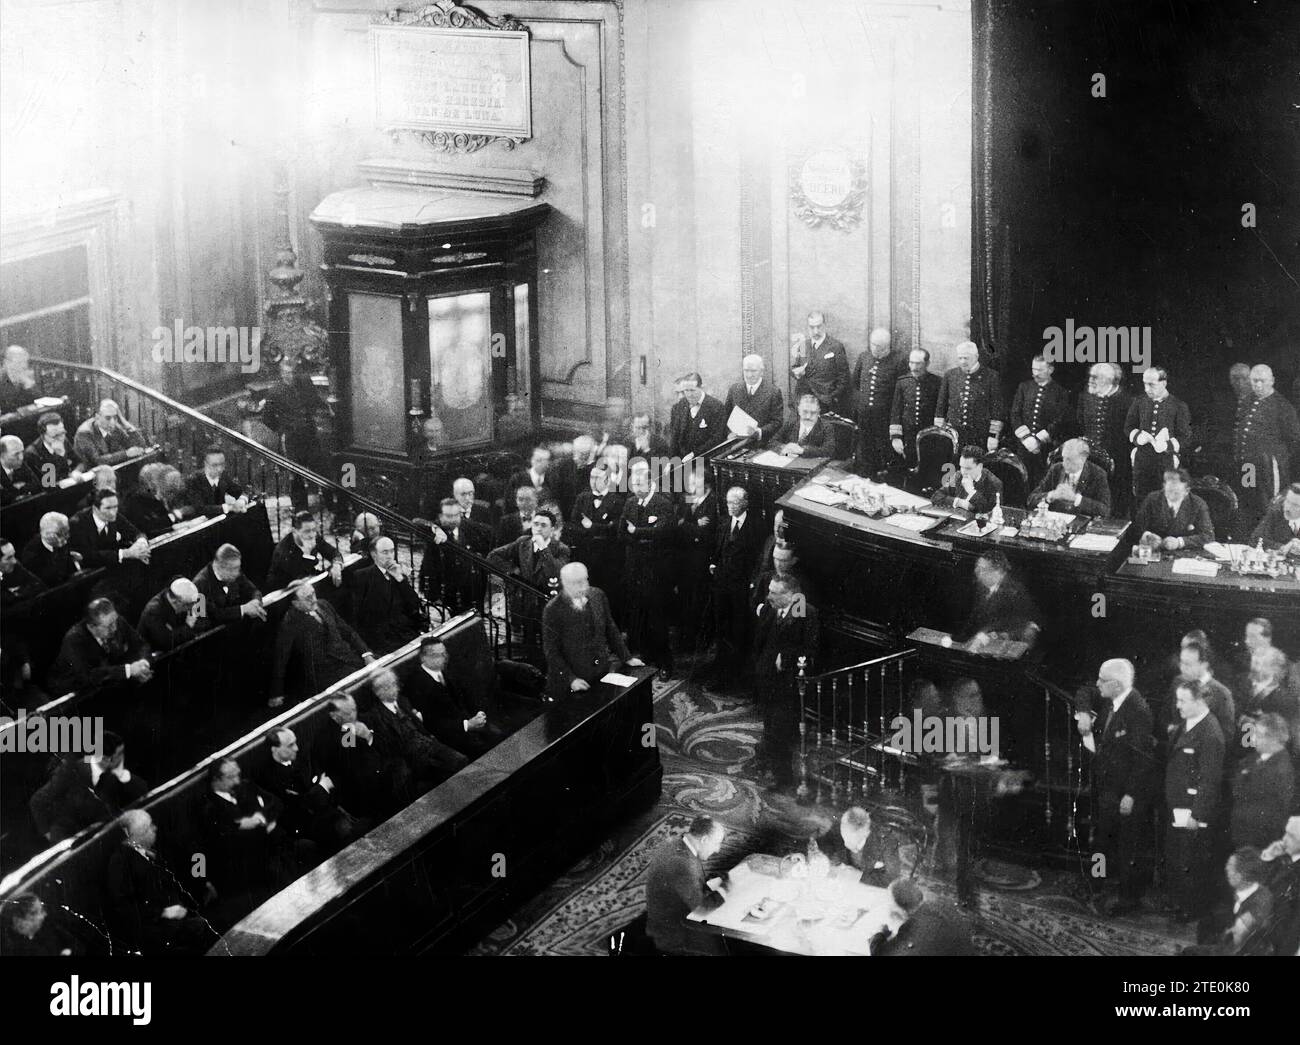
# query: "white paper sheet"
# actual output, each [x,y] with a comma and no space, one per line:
[1196,567]
[615,679]
[771,458]
[915,523]
[740,423]
[1093,542]
[821,495]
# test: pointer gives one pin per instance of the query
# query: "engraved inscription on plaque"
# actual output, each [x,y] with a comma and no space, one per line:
[459,80]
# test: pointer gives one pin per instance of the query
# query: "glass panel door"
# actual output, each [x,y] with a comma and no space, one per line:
[378,405]
[460,359]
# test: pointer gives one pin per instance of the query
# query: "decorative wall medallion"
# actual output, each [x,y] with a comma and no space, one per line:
[829,187]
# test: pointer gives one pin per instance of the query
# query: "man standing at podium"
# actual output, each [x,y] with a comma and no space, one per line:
[758,397]
[697,422]
[786,630]
[579,637]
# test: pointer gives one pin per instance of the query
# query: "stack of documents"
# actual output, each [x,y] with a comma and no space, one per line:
[1093,542]
[1196,567]
[821,495]
[771,458]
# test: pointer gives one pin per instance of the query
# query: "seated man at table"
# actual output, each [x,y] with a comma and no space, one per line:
[872,851]
[1174,519]
[1003,609]
[675,887]
[103,648]
[451,714]
[1280,527]
[929,926]
[1074,484]
[47,554]
[210,491]
[16,479]
[228,596]
[102,538]
[972,488]
[316,643]
[106,437]
[49,455]
[809,436]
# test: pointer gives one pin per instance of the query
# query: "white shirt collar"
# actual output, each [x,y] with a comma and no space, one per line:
[1243,895]
[437,676]
[739,520]
[227,796]
[1118,702]
[751,389]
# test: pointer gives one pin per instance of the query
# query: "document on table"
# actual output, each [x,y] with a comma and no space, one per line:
[615,679]
[771,458]
[1196,567]
[740,423]
[1093,542]
[821,495]
[915,523]
[1226,552]
[899,499]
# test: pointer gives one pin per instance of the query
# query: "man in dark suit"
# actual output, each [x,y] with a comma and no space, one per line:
[675,887]
[47,554]
[972,487]
[930,927]
[1193,800]
[49,455]
[915,399]
[821,369]
[646,529]
[17,582]
[447,575]
[210,491]
[1280,527]
[537,475]
[856,842]
[18,384]
[447,711]
[1282,874]
[249,855]
[786,632]
[1002,606]
[593,525]
[372,780]
[310,805]
[86,790]
[169,618]
[1040,410]
[1159,428]
[697,422]
[399,730]
[513,525]
[1194,666]
[1119,739]
[1099,418]
[1249,919]
[228,596]
[642,442]
[875,375]
[738,541]
[970,400]
[809,436]
[571,473]
[314,648]
[1074,484]
[1262,784]
[103,648]
[16,479]
[757,397]
[385,607]
[107,437]
[1174,519]
[148,904]
[101,538]
[304,553]
[535,557]
[581,642]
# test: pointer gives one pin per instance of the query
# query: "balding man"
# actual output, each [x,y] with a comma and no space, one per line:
[149,908]
[16,479]
[1117,729]
[970,400]
[675,886]
[170,617]
[1265,441]
[1040,411]
[875,373]
[579,637]
[472,510]
[107,437]
[757,397]
[314,647]
[1074,484]
[310,803]
[99,650]
[1099,417]
[228,596]
[400,731]
[18,387]
[1262,784]
[384,606]
[916,396]
[47,554]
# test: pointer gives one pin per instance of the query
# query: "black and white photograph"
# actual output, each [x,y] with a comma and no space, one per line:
[651,479]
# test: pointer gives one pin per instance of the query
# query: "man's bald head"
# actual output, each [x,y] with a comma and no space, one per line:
[182,593]
[1261,379]
[573,580]
[878,342]
[1117,670]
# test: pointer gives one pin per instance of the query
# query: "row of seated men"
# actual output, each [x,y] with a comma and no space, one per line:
[1254,431]
[260,829]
